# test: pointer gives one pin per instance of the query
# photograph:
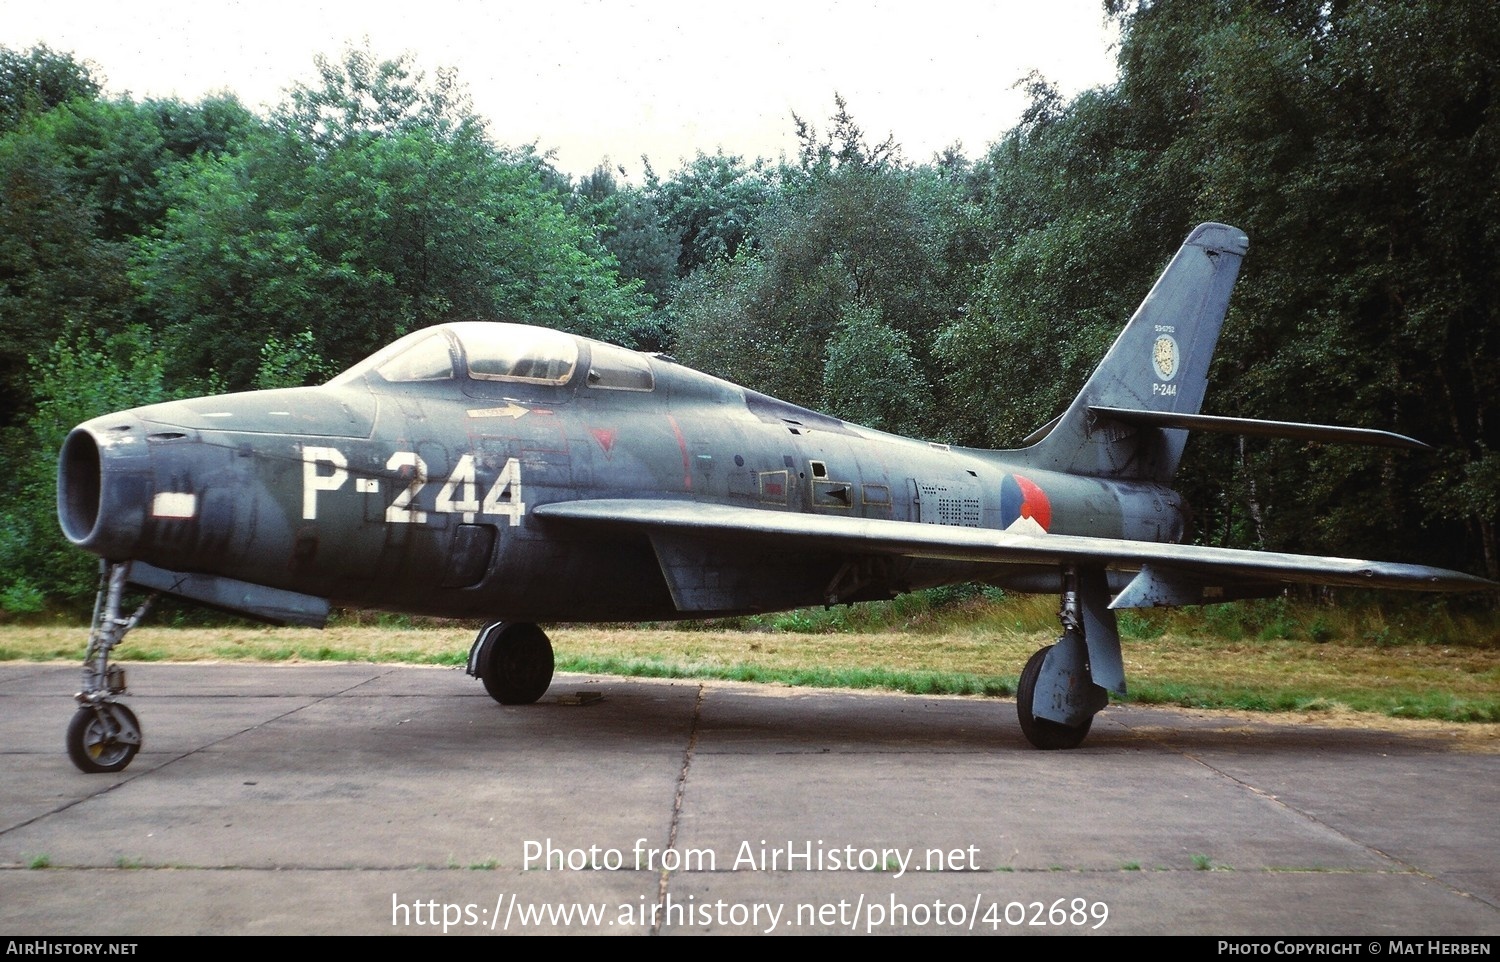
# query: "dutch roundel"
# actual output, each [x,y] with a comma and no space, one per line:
[1021,498]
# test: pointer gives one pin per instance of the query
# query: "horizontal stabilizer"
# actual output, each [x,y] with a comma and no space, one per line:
[1254,427]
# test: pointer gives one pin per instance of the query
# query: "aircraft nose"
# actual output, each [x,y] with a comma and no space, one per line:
[104,485]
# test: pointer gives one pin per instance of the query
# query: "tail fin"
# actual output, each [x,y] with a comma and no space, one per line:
[1159,363]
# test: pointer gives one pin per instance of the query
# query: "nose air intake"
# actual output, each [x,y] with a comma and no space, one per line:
[79,487]
[104,488]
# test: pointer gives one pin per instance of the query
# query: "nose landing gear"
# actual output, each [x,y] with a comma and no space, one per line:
[104,735]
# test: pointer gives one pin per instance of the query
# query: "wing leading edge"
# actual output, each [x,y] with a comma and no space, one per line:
[1168,574]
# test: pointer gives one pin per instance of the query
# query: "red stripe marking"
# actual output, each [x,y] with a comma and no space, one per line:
[687,464]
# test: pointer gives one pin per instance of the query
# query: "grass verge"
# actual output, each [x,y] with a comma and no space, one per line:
[1412,662]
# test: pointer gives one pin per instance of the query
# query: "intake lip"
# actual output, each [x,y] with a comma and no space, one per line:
[80,486]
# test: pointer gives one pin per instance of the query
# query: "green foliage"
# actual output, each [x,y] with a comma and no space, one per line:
[361,96]
[1140,625]
[34,82]
[945,608]
[711,206]
[291,363]
[870,376]
[836,305]
[115,154]
[844,146]
[54,267]
[216,125]
[714,326]
[78,185]
[550,269]
[1358,146]
[376,207]
[629,225]
[21,597]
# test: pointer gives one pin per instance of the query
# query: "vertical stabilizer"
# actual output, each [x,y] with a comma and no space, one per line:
[1158,363]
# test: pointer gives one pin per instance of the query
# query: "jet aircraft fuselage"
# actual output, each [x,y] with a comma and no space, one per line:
[417,490]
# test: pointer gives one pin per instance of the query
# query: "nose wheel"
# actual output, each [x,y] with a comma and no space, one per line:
[103,738]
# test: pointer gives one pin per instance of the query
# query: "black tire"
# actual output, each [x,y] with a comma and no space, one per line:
[516,664]
[1044,733]
[91,747]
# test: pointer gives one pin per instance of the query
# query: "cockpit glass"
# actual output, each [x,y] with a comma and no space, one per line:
[614,368]
[511,352]
[429,359]
[419,356]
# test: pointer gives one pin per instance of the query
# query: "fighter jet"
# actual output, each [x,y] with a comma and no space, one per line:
[520,475]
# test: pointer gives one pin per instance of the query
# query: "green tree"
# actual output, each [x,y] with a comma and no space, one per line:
[56,270]
[1357,145]
[870,375]
[849,280]
[39,79]
[360,220]
[711,205]
[291,363]
[218,124]
[716,327]
[844,146]
[79,185]
[629,225]
[361,95]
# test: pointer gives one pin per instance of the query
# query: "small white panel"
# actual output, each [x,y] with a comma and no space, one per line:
[174,504]
[1026,526]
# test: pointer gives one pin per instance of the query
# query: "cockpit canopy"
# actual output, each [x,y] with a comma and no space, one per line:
[517,353]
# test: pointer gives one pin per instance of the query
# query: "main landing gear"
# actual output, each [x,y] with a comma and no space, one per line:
[104,735]
[514,660]
[1064,685]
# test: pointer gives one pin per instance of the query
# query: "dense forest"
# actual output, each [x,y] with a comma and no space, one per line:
[151,249]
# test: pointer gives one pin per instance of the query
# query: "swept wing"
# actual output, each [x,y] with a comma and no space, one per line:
[1178,570]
